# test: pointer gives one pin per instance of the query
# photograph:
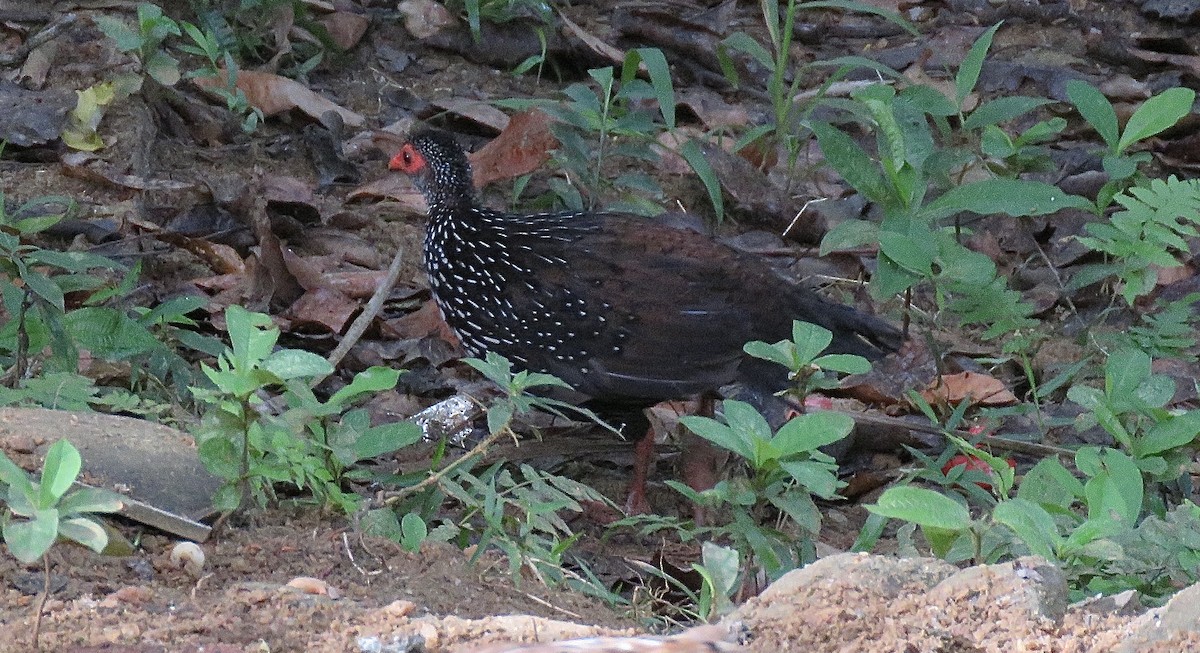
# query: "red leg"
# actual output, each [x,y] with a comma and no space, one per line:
[643,460]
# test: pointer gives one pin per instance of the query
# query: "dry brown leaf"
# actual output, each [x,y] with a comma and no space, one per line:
[476,111]
[345,28]
[273,95]
[615,55]
[394,187]
[89,167]
[425,18]
[323,307]
[979,389]
[520,149]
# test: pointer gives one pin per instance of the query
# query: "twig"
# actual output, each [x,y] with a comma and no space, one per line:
[41,604]
[390,498]
[374,305]
[52,30]
[353,563]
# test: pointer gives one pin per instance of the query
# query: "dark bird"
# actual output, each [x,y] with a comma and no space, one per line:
[625,310]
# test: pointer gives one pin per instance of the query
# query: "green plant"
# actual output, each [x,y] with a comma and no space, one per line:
[596,124]
[787,110]
[773,518]
[222,66]
[915,244]
[37,514]
[253,444]
[807,367]
[1154,116]
[147,41]
[517,513]
[1087,526]
[501,11]
[35,284]
[1150,233]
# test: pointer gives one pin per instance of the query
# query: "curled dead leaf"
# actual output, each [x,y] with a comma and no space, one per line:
[274,94]
[979,389]
[310,585]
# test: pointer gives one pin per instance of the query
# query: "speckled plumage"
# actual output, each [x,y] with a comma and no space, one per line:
[618,306]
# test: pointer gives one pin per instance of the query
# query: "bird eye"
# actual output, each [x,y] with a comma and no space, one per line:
[407,154]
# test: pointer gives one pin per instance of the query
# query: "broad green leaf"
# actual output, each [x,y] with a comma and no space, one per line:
[968,70]
[810,431]
[85,531]
[844,363]
[923,507]
[90,499]
[59,471]
[44,287]
[13,476]
[810,339]
[413,532]
[385,438]
[1096,109]
[1032,524]
[1174,431]
[851,162]
[849,234]
[691,153]
[1015,197]
[29,539]
[1115,493]
[915,256]
[296,363]
[1157,114]
[372,379]
[1050,483]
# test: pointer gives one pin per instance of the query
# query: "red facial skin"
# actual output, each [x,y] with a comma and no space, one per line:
[973,464]
[408,160]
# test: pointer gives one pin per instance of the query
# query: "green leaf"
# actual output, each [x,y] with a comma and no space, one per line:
[85,531]
[42,286]
[660,79]
[851,162]
[1115,492]
[911,254]
[923,507]
[810,431]
[691,153]
[125,38]
[1050,483]
[810,339]
[1157,114]
[385,438]
[743,42]
[13,476]
[1032,524]
[1015,197]
[413,532]
[29,540]
[968,70]
[1096,109]
[844,363]
[59,471]
[373,379]
[296,363]
[849,234]
[1173,432]
[1002,110]
[90,499]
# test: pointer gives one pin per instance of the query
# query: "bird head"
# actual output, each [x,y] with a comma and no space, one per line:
[438,167]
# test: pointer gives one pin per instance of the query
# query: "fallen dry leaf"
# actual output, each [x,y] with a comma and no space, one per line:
[425,18]
[273,95]
[345,28]
[520,149]
[979,389]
